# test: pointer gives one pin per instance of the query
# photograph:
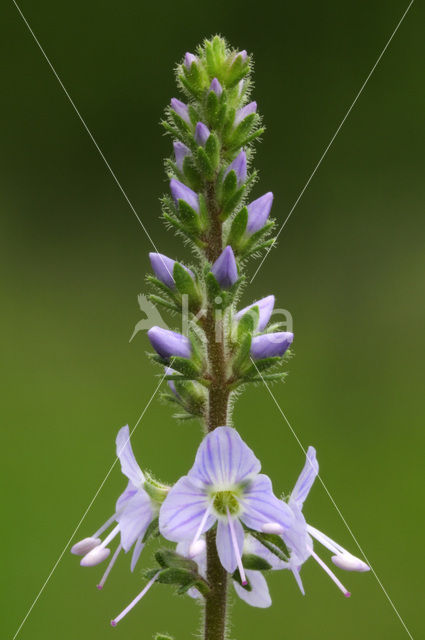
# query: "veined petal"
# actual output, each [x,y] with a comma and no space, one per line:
[261,506]
[135,518]
[128,493]
[224,543]
[182,511]
[259,596]
[129,466]
[306,478]
[223,459]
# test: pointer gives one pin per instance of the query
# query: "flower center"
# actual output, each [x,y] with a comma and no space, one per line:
[224,500]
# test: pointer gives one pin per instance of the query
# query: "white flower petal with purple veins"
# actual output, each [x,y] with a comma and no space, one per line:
[180,152]
[129,465]
[225,546]
[265,308]
[224,460]
[128,493]
[260,505]
[183,511]
[135,518]
[259,595]
[306,478]
[241,114]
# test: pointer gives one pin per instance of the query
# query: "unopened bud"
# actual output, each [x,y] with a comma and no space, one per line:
[82,547]
[95,556]
[349,563]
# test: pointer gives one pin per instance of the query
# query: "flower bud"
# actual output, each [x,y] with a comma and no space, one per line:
[216,87]
[163,269]
[202,133]
[270,345]
[224,268]
[95,556]
[84,546]
[239,167]
[242,55]
[258,212]
[189,59]
[181,109]
[241,114]
[265,308]
[169,343]
[180,152]
[349,563]
[180,191]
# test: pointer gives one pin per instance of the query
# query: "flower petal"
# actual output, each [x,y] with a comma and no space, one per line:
[261,506]
[135,518]
[138,548]
[251,545]
[129,466]
[259,596]
[306,478]
[224,543]
[128,493]
[182,511]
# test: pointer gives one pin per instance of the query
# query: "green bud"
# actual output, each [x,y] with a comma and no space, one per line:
[248,322]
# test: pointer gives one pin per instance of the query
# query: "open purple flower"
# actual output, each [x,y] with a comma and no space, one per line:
[181,109]
[225,487]
[202,133]
[270,345]
[265,308]
[180,152]
[163,269]
[258,212]
[239,166]
[180,191]
[224,268]
[169,343]
[134,511]
[241,114]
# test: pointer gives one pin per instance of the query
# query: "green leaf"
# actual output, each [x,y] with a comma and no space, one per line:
[212,108]
[241,131]
[169,558]
[249,322]
[189,217]
[230,184]
[273,543]
[212,149]
[162,636]
[192,174]
[242,354]
[231,203]
[204,163]
[164,303]
[263,365]
[238,228]
[185,367]
[184,282]
[213,288]
[256,563]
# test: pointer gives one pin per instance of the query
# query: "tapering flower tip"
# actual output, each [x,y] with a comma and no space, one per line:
[163,269]
[239,167]
[84,546]
[241,114]
[181,109]
[272,527]
[216,87]
[349,563]
[265,308]
[270,345]
[169,343]
[224,268]
[202,133]
[95,556]
[189,59]
[258,212]
[180,191]
[180,152]
[242,55]
[196,548]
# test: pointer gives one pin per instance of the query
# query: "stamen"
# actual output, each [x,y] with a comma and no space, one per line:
[272,527]
[236,549]
[115,531]
[123,613]
[325,540]
[85,545]
[197,548]
[194,547]
[104,526]
[330,574]
[109,567]
[95,556]
[349,563]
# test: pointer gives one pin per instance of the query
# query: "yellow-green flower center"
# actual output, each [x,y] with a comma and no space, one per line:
[226,500]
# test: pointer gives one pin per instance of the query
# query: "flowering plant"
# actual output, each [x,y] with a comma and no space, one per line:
[228,524]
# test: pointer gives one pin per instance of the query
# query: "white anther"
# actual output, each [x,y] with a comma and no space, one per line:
[95,556]
[349,563]
[84,546]
[272,527]
[197,548]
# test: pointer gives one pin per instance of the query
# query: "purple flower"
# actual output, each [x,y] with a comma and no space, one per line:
[163,269]
[169,343]
[180,152]
[189,59]
[241,114]
[216,87]
[224,486]
[239,167]
[258,212]
[134,512]
[181,109]
[270,345]
[202,133]
[224,268]
[180,191]
[265,307]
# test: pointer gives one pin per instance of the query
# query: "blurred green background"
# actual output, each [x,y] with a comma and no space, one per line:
[349,267]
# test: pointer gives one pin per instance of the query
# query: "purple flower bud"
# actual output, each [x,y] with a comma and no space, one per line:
[265,307]
[239,167]
[216,87]
[242,54]
[169,343]
[188,59]
[270,344]
[244,112]
[180,152]
[202,133]
[169,372]
[224,268]
[181,109]
[258,212]
[163,269]
[180,191]
[240,87]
